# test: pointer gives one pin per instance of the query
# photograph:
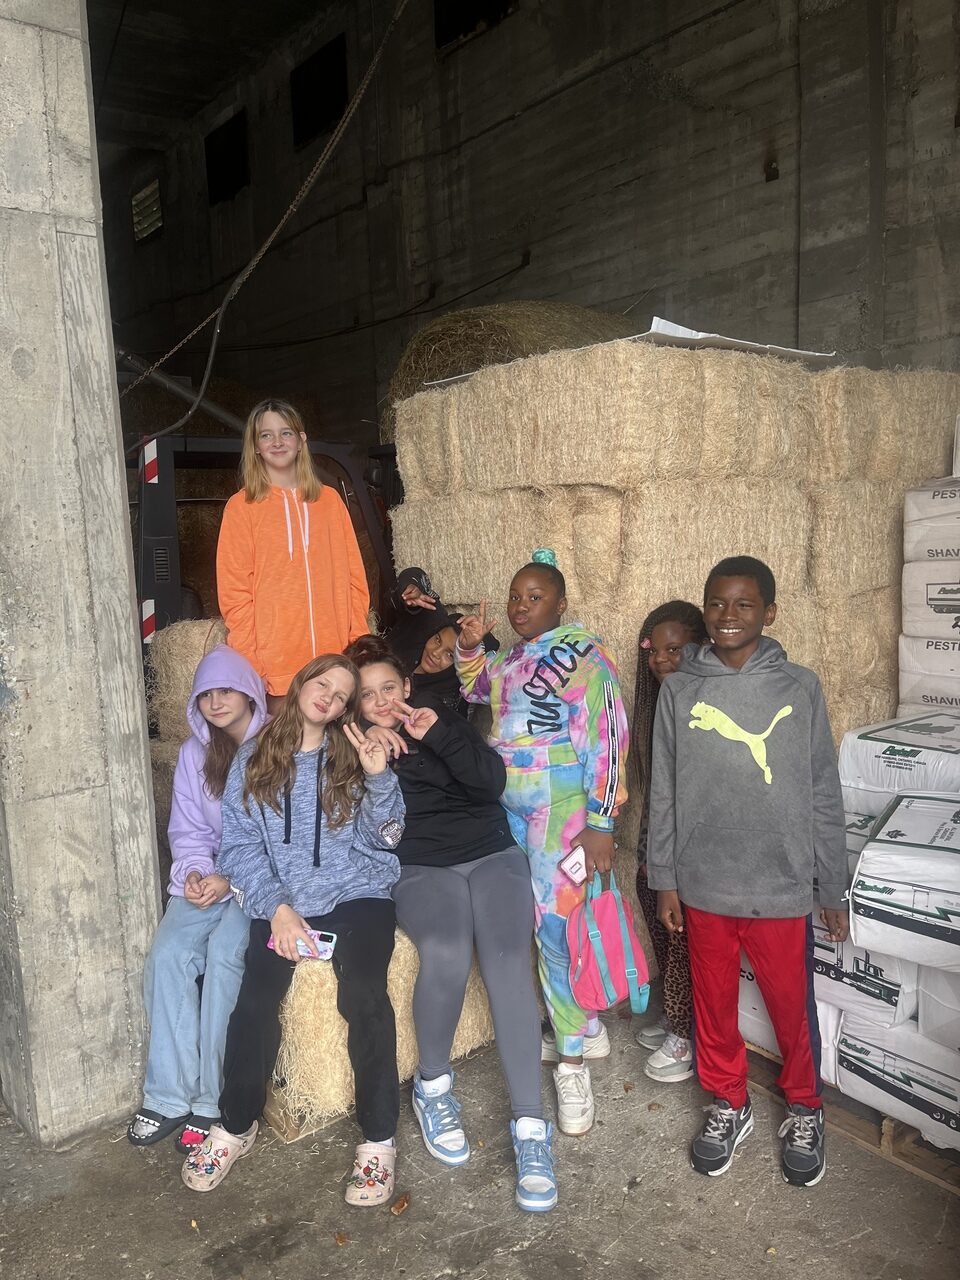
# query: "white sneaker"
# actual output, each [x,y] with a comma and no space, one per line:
[574,1099]
[597,1046]
[652,1035]
[672,1062]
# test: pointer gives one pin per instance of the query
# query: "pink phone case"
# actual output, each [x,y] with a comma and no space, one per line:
[573,865]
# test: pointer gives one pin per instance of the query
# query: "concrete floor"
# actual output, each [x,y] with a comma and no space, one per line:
[630,1206]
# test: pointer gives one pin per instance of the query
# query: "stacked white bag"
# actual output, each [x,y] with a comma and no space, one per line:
[888,999]
[905,907]
[930,643]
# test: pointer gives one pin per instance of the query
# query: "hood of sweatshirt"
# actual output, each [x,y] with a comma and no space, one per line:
[701,660]
[224,668]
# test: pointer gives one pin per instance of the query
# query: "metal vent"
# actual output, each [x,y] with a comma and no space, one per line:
[146,211]
[161,564]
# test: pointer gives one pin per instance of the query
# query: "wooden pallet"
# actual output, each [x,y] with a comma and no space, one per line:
[895,1141]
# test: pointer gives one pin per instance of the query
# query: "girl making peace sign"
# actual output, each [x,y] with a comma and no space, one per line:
[311,819]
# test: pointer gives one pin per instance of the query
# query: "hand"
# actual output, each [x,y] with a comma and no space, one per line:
[391,741]
[474,627]
[836,922]
[373,756]
[213,887]
[597,849]
[191,888]
[418,720]
[669,911]
[414,598]
[287,926]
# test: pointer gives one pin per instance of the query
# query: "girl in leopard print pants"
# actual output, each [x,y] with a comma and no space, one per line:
[664,633]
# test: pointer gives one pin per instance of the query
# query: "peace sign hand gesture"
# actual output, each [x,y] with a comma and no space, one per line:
[474,627]
[417,720]
[373,758]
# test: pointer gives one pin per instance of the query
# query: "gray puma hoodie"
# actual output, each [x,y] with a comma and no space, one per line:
[745,804]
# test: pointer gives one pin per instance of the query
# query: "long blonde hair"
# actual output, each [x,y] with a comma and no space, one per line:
[253,473]
[271,768]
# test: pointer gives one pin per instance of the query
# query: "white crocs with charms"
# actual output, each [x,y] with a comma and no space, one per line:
[207,1165]
[371,1182]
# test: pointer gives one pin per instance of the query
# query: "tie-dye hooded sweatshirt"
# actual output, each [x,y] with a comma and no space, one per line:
[554,700]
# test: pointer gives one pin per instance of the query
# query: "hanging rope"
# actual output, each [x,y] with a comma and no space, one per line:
[218,313]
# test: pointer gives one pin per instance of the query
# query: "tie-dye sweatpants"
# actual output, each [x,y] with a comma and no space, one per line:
[546,805]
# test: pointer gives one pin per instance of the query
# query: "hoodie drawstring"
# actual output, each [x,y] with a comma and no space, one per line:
[317,820]
[303,524]
[287,815]
[286,512]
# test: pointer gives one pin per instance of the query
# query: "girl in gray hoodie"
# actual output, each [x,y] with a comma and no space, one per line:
[311,818]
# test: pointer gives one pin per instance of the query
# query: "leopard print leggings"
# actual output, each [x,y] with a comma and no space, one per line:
[673,961]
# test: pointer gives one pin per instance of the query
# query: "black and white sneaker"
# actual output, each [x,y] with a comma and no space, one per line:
[723,1131]
[803,1161]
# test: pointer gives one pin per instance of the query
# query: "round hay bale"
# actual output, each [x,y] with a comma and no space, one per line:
[313,1059]
[172,661]
[463,341]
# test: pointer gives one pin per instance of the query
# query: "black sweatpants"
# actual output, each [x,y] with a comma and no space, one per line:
[365,935]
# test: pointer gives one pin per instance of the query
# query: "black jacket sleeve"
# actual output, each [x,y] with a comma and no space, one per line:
[476,767]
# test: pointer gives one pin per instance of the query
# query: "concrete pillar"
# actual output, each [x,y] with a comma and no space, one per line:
[78,871]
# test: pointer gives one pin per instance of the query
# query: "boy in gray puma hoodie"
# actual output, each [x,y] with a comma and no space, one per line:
[745,809]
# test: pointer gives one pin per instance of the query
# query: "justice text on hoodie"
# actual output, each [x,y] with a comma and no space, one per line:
[290,581]
[295,857]
[555,700]
[745,803]
[195,819]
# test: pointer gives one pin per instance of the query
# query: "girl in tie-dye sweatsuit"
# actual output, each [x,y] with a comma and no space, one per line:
[560,727]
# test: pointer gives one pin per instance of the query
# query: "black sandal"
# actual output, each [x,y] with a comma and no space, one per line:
[148,1127]
[195,1132]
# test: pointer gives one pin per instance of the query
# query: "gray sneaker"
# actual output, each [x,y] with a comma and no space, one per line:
[803,1161]
[723,1130]
[672,1062]
[652,1035]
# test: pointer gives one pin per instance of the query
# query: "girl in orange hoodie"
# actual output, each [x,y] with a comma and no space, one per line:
[290,579]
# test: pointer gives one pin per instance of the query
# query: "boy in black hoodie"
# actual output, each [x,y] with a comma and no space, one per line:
[745,809]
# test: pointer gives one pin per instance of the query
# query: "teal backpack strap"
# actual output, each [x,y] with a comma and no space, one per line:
[638,997]
[596,942]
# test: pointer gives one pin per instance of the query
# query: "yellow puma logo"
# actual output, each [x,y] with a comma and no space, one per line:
[708,718]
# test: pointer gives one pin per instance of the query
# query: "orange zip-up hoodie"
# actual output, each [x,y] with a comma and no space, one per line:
[290,581]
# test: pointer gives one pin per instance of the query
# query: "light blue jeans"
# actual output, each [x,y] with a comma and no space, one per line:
[187,1035]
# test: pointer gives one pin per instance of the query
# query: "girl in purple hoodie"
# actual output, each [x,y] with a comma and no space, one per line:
[203,931]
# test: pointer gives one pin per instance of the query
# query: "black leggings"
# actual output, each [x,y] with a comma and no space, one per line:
[365,934]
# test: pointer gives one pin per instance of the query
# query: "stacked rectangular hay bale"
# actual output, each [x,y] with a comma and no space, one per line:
[643,465]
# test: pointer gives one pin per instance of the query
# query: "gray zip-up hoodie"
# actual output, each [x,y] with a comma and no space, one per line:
[294,857]
[745,803]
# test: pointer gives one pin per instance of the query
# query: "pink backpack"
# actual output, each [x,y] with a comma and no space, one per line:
[607,963]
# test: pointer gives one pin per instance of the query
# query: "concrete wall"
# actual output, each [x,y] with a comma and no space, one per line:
[776,169]
[78,869]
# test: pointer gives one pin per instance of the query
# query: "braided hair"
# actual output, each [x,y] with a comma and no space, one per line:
[648,688]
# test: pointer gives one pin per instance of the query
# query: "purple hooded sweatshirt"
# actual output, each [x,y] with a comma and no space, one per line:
[195,823]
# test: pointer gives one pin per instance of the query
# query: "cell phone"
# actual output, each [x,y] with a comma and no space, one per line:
[574,864]
[324,942]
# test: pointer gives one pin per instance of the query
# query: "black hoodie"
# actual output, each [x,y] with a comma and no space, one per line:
[745,803]
[451,784]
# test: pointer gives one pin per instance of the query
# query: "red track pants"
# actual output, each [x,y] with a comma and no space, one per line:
[781,953]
